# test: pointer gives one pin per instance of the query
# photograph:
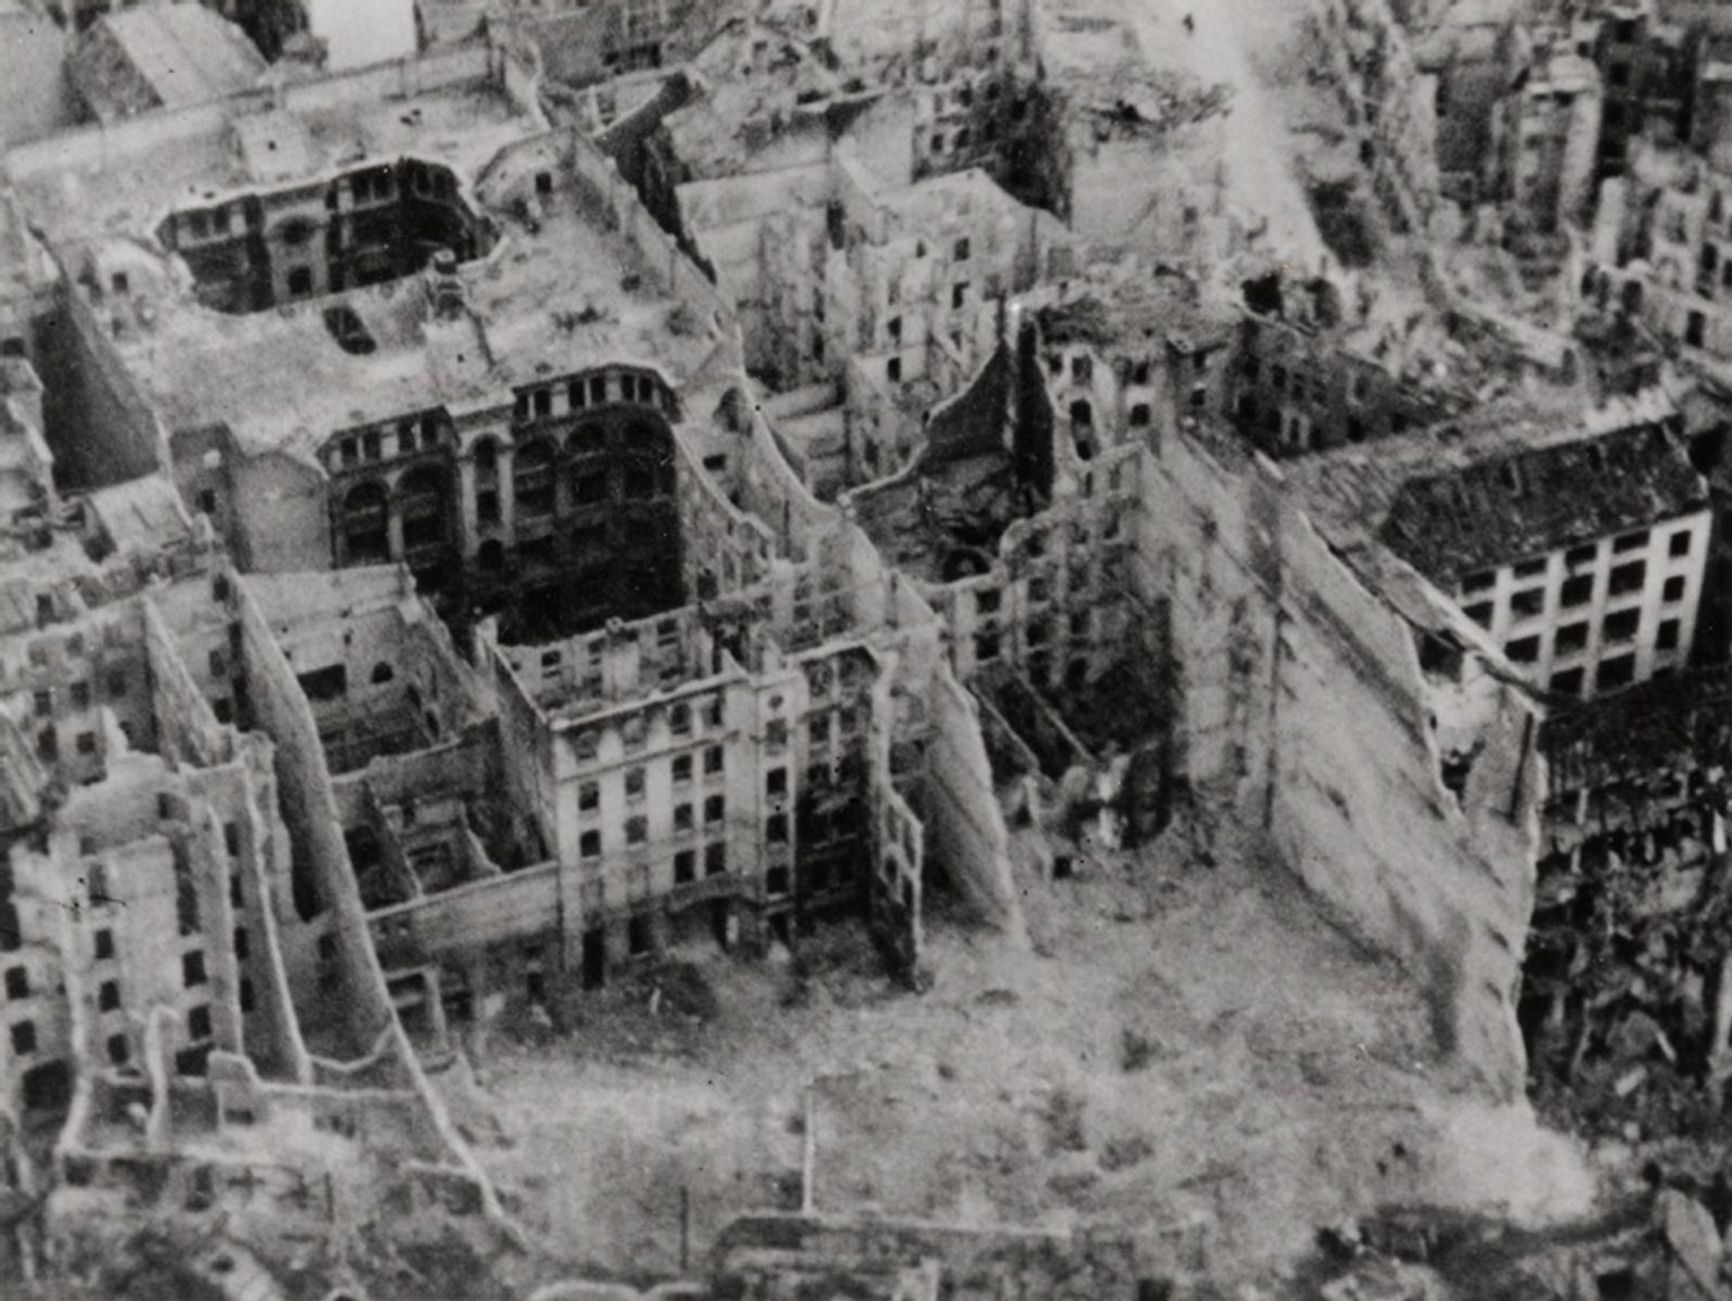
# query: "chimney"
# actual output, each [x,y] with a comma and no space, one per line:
[444,289]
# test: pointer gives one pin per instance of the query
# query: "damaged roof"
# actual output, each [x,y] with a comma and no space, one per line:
[1504,484]
[1527,503]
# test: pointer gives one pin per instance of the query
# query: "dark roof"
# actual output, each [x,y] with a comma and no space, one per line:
[1526,503]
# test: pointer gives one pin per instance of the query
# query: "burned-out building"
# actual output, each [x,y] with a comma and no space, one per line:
[1310,369]
[371,357]
[1578,543]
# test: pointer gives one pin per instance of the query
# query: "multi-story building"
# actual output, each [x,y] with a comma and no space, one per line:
[355,363]
[1544,142]
[1648,68]
[1662,254]
[1579,544]
[1391,106]
[1304,376]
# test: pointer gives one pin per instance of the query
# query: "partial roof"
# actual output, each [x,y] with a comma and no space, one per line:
[161,56]
[1506,484]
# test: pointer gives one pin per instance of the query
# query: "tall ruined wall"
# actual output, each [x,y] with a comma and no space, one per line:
[1308,717]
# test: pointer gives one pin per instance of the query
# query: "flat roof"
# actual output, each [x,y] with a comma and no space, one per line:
[121,180]
[557,294]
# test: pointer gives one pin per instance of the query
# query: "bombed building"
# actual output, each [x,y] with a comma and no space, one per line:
[667,611]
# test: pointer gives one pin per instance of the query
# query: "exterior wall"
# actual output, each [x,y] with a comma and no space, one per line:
[980,34]
[1551,148]
[1278,645]
[1295,391]
[1054,608]
[326,946]
[253,251]
[1557,617]
[565,498]
[1391,103]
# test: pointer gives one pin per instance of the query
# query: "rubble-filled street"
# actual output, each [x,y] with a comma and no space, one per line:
[1187,1055]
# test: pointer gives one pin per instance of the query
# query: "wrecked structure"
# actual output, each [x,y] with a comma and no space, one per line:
[1580,545]
[597,552]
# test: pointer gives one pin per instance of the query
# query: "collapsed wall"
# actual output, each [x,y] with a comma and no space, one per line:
[1309,722]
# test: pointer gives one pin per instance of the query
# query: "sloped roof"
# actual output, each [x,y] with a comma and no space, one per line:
[161,56]
[1530,502]
[1505,483]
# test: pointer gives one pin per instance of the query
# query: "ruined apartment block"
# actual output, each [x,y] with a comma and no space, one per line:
[457,566]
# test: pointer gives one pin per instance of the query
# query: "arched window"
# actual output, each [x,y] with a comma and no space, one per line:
[532,479]
[366,525]
[422,494]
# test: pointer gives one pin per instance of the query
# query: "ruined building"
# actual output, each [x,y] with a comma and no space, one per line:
[1580,545]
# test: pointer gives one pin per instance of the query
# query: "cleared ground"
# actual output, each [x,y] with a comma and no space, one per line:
[1190,1054]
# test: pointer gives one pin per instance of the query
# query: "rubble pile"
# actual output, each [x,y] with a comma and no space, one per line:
[1624,985]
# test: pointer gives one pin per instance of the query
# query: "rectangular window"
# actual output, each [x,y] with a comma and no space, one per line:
[1621,626]
[192,970]
[117,683]
[17,982]
[104,945]
[81,695]
[1568,682]
[1576,557]
[634,783]
[589,797]
[682,817]
[636,830]
[1571,638]
[118,1051]
[1667,637]
[108,996]
[682,769]
[1479,582]
[1616,673]
[1527,603]
[24,1038]
[1524,650]
[1678,545]
[589,844]
[685,867]
[1578,590]
[715,859]
[714,807]
[1630,542]
[1673,591]
[43,703]
[1480,613]
[1532,568]
[776,782]
[712,760]
[776,829]
[1629,578]
[198,1022]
